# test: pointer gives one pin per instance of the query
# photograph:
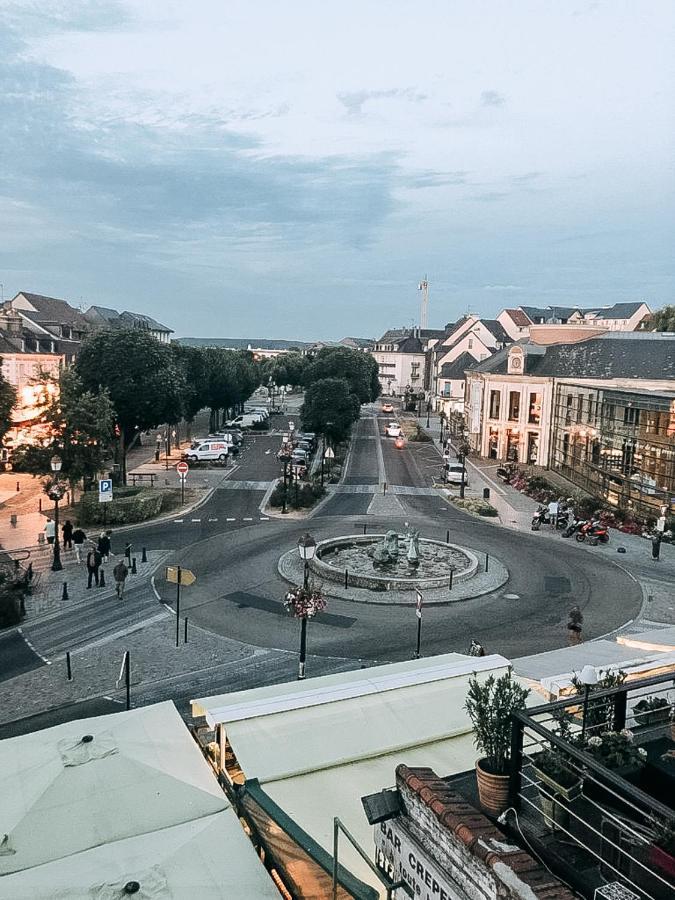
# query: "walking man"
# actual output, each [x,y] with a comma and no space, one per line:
[93,565]
[120,573]
[79,537]
[553,509]
[50,531]
[104,546]
[67,535]
[656,544]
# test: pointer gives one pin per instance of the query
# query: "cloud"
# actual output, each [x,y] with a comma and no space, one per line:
[434,179]
[502,287]
[354,101]
[492,98]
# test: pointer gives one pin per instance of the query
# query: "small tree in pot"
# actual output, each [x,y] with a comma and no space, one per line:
[490,705]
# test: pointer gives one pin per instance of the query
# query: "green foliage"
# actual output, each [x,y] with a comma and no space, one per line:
[7,401]
[307,496]
[287,368]
[616,749]
[192,361]
[662,320]
[476,506]
[490,705]
[14,586]
[128,506]
[357,368]
[601,711]
[329,408]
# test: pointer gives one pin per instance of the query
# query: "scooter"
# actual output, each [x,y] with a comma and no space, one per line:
[506,473]
[541,517]
[595,531]
[573,526]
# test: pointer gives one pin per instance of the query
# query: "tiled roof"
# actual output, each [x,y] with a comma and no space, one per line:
[496,329]
[483,839]
[409,345]
[54,311]
[618,311]
[139,320]
[454,371]
[497,364]
[547,313]
[394,334]
[612,356]
[518,317]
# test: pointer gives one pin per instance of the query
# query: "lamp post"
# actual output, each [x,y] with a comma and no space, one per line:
[307,549]
[285,459]
[589,678]
[460,459]
[167,438]
[428,411]
[56,493]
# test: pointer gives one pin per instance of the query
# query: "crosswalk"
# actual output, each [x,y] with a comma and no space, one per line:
[244,485]
[377,489]
[93,621]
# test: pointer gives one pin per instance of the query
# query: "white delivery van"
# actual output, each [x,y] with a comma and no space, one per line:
[247,420]
[208,450]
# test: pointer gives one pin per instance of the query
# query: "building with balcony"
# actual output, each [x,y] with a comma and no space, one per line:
[401,360]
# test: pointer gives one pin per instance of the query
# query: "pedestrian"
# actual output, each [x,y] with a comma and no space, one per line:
[120,573]
[79,537]
[656,544]
[104,546]
[67,535]
[553,508]
[93,565]
[50,531]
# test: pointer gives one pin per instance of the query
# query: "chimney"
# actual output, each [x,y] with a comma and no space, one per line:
[10,322]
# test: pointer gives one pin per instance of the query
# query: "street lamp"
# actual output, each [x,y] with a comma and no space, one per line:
[56,493]
[285,458]
[460,459]
[589,678]
[307,549]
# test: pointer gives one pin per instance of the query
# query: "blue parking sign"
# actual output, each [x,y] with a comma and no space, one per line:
[105,490]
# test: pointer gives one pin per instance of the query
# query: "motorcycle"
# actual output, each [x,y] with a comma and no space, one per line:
[506,473]
[573,526]
[541,517]
[595,531]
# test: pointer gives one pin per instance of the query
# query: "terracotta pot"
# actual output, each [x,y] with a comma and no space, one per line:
[493,790]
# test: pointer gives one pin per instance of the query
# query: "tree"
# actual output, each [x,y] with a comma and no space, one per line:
[359,369]
[662,320]
[329,408]
[7,401]
[78,427]
[192,360]
[142,376]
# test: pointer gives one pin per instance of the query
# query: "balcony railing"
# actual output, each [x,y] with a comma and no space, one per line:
[593,786]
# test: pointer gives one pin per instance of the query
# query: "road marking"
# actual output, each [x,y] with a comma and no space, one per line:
[264,519]
[195,520]
[178,521]
[213,520]
[36,652]
[230,520]
[512,596]
[247,519]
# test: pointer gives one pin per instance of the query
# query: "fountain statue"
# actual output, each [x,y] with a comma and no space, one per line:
[386,552]
[413,554]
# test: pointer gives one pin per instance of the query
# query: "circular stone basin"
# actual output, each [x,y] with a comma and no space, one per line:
[438,563]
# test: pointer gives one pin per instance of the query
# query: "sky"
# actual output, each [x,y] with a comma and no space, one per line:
[292,170]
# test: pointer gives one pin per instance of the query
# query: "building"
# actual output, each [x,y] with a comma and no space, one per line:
[102,317]
[400,356]
[600,412]
[49,325]
[619,317]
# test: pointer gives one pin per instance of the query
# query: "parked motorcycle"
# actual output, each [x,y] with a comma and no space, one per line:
[594,531]
[542,517]
[506,473]
[573,526]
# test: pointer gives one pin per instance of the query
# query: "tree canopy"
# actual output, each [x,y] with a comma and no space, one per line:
[7,401]
[662,320]
[329,408]
[357,368]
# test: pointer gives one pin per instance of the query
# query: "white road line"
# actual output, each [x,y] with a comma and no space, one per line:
[230,520]
[195,520]
[264,519]
[36,652]
[178,521]
[247,519]
[213,520]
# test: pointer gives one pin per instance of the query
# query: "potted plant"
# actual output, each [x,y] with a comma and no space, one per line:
[490,705]
[616,750]
[652,711]
[662,851]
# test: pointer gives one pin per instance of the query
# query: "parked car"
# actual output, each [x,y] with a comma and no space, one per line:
[305,445]
[393,429]
[233,433]
[308,436]
[387,408]
[453,474]
[208,451]
[399,443]
[247,420]
[261,410]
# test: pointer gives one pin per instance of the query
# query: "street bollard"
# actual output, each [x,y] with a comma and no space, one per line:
[452,573]
[68,666]
[17,486]
[346,578]
[186,627]
[487,562]
[447,536]
[64,595]
[365,526]
[133,566]
[127,552]
[101,578]
[39,504]
[30,571]
[144,555]
[384,488]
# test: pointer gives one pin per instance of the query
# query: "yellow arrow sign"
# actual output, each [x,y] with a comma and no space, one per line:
[186,576]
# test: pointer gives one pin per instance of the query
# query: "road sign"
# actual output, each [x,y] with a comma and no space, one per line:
[291,426]
[330,453]
[418,606]
[105,490]
[182,468]
[186,576]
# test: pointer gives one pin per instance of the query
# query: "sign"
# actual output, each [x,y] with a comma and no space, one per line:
[182,468]
[418,605]
[400,856]
[330,453]
[105,490]
[291,426]
[186,576]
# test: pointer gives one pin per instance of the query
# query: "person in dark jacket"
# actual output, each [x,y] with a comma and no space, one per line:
[67,535]
[104,546]
[93,565]
[79,537]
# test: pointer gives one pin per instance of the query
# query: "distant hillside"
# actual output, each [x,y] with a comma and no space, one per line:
[243,343]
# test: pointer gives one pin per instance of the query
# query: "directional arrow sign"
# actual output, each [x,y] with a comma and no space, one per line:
[186,576]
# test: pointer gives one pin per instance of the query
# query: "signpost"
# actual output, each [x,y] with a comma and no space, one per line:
[105,494]
[418,613]
[178,576]
[328,454]
[182,468]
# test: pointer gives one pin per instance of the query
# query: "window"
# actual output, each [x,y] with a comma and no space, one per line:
[514,406]
[534,411]
[631,416]
[495,402]
[470,343]
[568,412]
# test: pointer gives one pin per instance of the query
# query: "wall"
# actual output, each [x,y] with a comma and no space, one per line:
[398,370]
[517,439]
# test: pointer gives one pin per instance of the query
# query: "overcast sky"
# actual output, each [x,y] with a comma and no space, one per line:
[292,169]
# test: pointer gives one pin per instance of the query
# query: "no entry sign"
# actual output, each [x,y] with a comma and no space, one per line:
[182,468]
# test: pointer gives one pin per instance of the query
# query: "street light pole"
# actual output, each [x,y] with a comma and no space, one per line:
[56,495]
[307,549]
[283,500]
[589,678]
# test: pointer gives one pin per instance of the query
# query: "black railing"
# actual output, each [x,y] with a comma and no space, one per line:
[575,802]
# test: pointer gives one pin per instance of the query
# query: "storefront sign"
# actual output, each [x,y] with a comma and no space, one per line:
[403,859]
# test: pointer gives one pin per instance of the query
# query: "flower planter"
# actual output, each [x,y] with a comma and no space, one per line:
[593,791]
[567,793]
[662,860]
[493,790]
[554,799]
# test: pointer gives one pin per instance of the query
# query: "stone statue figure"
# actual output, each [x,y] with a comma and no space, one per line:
[413,554]
[386,551]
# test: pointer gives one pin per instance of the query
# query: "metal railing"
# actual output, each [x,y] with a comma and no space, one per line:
[612,820]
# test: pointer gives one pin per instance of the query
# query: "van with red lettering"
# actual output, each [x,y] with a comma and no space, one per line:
[208,450]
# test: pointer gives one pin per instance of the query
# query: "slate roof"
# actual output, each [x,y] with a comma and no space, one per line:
[454,371]
[546,313]
[611,356]
[497,330]
[618,311]
[51,310]
[409,345]
[393,335]
[497,364]
[139,320]
[563,313]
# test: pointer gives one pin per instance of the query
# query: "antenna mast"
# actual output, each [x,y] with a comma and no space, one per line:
[424,310]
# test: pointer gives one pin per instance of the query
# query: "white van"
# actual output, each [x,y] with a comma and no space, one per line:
[208,450]
[248,420]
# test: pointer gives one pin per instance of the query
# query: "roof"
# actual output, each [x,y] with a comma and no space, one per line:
[548,313]
[102,312]
[612,356]
[497,364]
[518,317]
[618,311]
[496,329]
[136,801]
[139,320]
[394,334]
[51,310]
[455,370]
[318,746]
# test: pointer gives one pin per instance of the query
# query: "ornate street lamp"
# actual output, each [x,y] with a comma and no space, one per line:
[589,678]
[303,602]
[307,550]
[55,493]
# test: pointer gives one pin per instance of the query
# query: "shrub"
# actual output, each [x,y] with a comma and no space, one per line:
[14,586]
[490,705]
